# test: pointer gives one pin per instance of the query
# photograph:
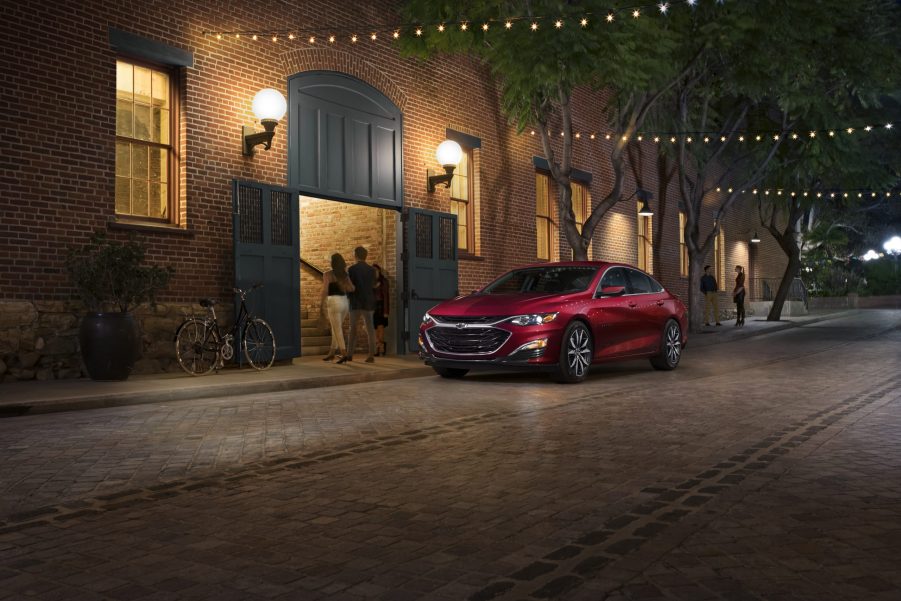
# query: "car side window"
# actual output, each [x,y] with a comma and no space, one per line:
[655,285]
[639,283]
[613,277]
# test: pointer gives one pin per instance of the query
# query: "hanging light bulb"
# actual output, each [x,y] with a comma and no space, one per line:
[290,36]
[331,39]
[312,39]
[373,37]
[484,26]
[218,36]
[663,6]
[583,22]
[418,31]
[558,23]
[254,37]
[831,133]
[464,26]
[534,26]
[441,27]
[508,24]
[395,35]
[636,13]
[353,38]
[610,17]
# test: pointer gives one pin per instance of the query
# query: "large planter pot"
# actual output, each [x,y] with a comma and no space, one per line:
[110,345]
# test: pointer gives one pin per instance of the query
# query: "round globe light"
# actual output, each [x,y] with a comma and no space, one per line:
[269,104]
[449,153]
[870,255]
[893,245]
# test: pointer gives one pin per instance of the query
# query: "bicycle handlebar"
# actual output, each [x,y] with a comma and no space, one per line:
[243,293]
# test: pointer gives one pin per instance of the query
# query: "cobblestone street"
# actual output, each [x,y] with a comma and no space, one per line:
[764,468]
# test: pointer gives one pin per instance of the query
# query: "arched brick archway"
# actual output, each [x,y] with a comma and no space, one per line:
[329,59]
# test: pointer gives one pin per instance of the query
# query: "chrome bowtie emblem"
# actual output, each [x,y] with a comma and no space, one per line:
[460,326]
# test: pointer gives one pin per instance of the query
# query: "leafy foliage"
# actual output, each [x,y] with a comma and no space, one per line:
[108,273]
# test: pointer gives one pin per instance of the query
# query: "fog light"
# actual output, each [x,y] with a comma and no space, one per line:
[421,342]
[531,346]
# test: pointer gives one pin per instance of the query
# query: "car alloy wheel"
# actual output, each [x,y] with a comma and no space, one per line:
[670,347]
[576,355]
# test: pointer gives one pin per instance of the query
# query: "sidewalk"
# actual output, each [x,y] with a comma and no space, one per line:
[26,398]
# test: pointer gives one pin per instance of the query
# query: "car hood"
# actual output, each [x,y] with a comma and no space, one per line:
[500,304]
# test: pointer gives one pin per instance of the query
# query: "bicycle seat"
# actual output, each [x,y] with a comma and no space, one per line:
[207,302]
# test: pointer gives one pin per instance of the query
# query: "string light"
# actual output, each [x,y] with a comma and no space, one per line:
[331,39]
[353,38]
[662,6]
[312,39]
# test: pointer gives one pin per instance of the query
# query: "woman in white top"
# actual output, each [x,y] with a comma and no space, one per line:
[335,286]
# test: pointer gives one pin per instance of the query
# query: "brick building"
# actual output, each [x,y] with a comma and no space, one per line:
[160,155]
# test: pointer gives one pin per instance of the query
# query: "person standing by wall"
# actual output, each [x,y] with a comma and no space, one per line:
[362,302]
[380,315]
[709,289]
[335,286]
[738,295]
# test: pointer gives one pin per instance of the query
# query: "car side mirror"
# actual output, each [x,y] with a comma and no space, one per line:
[613,291]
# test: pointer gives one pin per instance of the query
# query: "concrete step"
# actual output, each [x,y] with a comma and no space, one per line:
[308,351]
[315,340]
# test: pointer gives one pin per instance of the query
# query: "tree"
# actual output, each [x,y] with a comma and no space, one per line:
[538,70]
[764,73]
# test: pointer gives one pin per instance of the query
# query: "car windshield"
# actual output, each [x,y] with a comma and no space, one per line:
[543,280]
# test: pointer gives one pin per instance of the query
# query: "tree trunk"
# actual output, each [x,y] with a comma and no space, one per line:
[695,298]
[794,265]
[788,242]
[665,172]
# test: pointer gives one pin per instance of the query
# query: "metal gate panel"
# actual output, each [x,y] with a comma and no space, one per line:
[431,257]
[267,250]
[344,140]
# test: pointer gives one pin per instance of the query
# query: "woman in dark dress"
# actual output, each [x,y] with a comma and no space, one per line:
[380,315]
[738,295]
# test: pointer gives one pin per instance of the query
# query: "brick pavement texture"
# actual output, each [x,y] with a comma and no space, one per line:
[767,472]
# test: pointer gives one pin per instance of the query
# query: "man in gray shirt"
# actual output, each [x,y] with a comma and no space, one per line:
[362,302]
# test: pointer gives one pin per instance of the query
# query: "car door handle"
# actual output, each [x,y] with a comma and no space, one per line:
[659,303]
[633,305]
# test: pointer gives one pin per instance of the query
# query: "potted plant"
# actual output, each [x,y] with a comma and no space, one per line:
[112,279]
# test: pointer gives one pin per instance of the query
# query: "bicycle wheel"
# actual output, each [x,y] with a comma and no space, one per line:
[196,347]
[259,344]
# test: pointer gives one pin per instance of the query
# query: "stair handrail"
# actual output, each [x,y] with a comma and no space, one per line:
[310,266]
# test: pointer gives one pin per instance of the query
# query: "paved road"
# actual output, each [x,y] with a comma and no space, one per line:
[767,468]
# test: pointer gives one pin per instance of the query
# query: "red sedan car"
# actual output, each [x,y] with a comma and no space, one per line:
[557,317]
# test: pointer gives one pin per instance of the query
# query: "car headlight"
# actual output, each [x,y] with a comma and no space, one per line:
[427,319]
[536,319]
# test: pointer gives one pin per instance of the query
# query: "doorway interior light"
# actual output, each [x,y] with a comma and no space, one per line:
[269,106]
[449,155]
[644,196]
[755,238]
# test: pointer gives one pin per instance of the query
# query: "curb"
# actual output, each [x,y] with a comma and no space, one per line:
[121,399]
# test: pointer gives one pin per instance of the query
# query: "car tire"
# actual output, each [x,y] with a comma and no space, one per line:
[576,353]
[670,347]
[453,373]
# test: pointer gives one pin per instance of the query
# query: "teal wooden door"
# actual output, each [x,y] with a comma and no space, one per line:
[266,224]
[431,261]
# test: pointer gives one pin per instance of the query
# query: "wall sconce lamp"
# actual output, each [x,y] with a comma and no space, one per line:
[755,239]
[644,196]
[449,155]
[269,106]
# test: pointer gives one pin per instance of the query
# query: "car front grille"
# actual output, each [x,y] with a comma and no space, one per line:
[467,341]
[466,319]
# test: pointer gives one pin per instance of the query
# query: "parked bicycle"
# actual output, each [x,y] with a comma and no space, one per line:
[202,346]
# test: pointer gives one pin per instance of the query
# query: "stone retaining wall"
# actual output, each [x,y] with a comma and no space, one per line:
[39,340]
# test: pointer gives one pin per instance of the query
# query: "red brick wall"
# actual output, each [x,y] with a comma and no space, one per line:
[56,171]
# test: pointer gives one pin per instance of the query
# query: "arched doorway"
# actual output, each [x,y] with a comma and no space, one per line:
[345,143]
